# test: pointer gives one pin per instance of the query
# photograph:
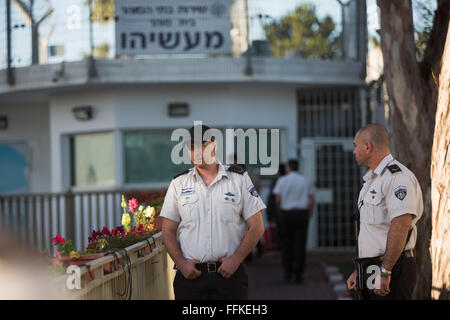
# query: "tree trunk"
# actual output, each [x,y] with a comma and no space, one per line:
[413,97]
[440,189]
[34,44]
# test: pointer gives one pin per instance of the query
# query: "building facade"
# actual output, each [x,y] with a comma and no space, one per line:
[105,124]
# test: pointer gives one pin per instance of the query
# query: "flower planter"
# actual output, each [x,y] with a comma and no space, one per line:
[83,259]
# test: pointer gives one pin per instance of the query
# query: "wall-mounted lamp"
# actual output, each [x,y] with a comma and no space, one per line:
[83,113]
[178,109]
[3,122]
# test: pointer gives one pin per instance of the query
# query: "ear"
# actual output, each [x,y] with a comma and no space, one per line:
[368,146]
[214,147]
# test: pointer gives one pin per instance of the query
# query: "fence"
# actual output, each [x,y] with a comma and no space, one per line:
[35,219]
[140,275]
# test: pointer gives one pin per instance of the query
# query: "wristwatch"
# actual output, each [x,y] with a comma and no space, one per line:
[385,272]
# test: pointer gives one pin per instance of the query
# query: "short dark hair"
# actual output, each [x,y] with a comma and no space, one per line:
[377,135]
[203,129]
[293,164]
[282,169]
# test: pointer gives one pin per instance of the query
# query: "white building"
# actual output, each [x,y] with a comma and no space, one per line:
[317,105]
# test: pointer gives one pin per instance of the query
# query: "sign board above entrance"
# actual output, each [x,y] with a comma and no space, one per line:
[173,27]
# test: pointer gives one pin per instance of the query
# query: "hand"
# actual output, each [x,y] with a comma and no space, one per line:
[228,267]
[384,286]
[351,281]
[189,270]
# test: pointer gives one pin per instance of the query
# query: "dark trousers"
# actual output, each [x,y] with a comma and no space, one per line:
[294,229]
[403,280]
[212,286]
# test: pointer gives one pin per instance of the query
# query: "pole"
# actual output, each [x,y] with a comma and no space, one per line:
[92,71]
[10,71]
[248,57]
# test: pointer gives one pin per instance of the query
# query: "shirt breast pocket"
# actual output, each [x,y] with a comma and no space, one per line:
[189,207]
[231,208]
[373,209]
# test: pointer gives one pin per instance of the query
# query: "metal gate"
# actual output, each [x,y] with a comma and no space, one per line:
[329,163]
[328,119]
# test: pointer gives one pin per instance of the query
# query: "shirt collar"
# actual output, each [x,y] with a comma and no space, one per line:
[379,169]
[223,172]
[383,164]
[367,175]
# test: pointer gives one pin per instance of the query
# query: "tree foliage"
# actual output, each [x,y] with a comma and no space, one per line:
[422,31]
[303,32]
[102,10]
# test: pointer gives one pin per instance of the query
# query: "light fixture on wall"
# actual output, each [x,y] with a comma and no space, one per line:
[83,113]
[3,122]
[178,109]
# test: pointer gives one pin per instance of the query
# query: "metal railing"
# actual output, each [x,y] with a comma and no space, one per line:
[135,273]
[35,219]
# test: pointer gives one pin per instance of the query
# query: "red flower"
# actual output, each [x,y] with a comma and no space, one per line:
[105,231]
[58,239]
[120,229]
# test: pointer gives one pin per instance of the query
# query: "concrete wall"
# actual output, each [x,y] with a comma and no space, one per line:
[63,124]
[145,107]
[28,122]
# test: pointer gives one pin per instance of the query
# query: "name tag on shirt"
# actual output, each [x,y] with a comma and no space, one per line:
[187,191]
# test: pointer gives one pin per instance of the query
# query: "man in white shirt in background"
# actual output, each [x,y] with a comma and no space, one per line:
[295,202]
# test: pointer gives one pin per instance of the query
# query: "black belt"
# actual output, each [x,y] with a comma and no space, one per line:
[405,254]
[210,267]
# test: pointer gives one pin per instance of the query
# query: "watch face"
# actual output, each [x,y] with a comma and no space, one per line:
[384,272]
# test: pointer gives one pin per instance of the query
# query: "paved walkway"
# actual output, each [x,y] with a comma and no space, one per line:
[266,280]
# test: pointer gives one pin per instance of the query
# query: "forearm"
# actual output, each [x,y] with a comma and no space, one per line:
[396,240]
[278,203]
[250,240]
[311,206]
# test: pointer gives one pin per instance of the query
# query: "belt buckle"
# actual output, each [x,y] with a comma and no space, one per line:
[211,267]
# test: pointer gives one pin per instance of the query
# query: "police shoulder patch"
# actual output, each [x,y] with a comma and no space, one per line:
[180,174]
[236,169]
[251,188]
[400,192]
[394,168]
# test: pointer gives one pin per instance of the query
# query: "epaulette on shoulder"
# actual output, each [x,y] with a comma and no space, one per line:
[394,168]
[236,169]
[180,174]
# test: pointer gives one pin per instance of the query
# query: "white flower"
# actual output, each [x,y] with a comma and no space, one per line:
[149,212]
[141,207]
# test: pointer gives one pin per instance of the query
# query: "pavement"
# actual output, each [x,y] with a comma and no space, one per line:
[266,280]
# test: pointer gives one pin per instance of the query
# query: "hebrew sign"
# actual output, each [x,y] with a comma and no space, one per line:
[172,27]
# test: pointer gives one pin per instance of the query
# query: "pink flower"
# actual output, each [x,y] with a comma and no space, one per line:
[56,258]
[132,204]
